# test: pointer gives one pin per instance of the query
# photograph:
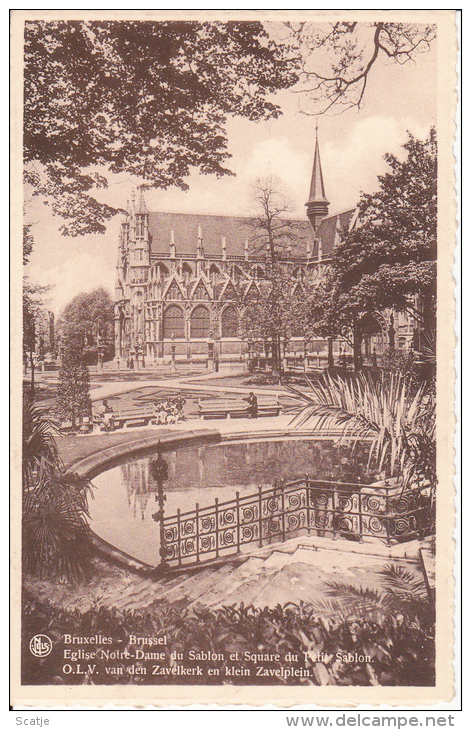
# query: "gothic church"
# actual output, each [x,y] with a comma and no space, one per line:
[184,281]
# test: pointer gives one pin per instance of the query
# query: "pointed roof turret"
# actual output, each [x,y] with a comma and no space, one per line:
[141,208]
[317,205]
[132,202]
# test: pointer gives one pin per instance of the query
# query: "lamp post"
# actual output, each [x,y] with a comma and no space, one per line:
[159,472]
[392,333]
[172,347]
[210,364]
[100,348]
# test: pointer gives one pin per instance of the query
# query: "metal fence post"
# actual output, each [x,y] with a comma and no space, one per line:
[179,537]
[260,542]
[360,515]
[216,515]
[197,508]
[334,512]
[308,512]
[282,512]
[387,523]
[238,521]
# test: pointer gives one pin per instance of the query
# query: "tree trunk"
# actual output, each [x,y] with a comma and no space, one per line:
[32,372]
[274,354]
[330,354]
[280,359]
[357,338]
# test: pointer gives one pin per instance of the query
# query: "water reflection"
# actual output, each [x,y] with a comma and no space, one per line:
[125,496]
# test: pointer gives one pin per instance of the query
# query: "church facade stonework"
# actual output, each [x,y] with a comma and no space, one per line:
[184,282]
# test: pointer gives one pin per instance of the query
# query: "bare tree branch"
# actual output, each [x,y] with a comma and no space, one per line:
[337,61]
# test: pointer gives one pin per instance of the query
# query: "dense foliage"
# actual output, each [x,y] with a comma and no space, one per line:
[88,321]
[32,304]
[396,414]
[73,393]
[388,258]
[400,643]
[55,533]
[150,99]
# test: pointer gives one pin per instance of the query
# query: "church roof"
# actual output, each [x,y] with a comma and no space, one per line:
[235,230]
[330,227]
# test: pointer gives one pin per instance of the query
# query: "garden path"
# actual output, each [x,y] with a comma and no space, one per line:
[194,383]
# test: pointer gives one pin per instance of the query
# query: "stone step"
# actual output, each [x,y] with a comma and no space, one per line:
[197,584]
[278,560]
[242,593]
[142,593]
[225,585]
[295,583]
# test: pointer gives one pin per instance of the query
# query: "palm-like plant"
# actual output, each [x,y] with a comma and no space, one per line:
[403,597]
[398,418]
[39,447]
[393,625]
[55,505]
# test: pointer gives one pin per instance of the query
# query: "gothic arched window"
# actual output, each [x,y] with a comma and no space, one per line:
[173,323]
[161,270]
[187,272]
[229,322]
[199,323]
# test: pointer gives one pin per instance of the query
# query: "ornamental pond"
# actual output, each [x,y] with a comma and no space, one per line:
[124,496]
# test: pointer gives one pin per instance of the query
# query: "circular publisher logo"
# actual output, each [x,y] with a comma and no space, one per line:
[40,645]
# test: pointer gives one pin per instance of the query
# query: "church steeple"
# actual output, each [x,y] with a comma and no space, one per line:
[317,205]
[142,203]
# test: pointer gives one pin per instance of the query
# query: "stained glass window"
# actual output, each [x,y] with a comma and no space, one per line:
[199,323]
[173,323]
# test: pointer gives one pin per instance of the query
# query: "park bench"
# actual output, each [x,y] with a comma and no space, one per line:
[127,417]
[83,425]
[225,408]
[134,417]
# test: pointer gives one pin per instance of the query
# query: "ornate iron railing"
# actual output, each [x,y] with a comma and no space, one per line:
[305,506]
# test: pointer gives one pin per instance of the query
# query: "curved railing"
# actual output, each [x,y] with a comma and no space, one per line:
[304,506]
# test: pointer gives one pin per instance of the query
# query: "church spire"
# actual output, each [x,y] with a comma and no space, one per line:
[142,203]
[317,205]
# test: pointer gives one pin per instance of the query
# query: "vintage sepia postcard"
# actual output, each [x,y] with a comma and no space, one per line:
[233,235]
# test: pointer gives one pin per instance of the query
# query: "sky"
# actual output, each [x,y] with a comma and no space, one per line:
[352,146]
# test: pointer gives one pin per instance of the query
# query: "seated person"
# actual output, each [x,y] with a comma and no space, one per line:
[159,410]
[180,402]
[253,405]
[108,417]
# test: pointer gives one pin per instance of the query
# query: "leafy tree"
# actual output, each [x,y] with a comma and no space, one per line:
[88,320]
[55,509]
[388,259]
[32,304]
[337,58]
[73,395]
[146,98]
